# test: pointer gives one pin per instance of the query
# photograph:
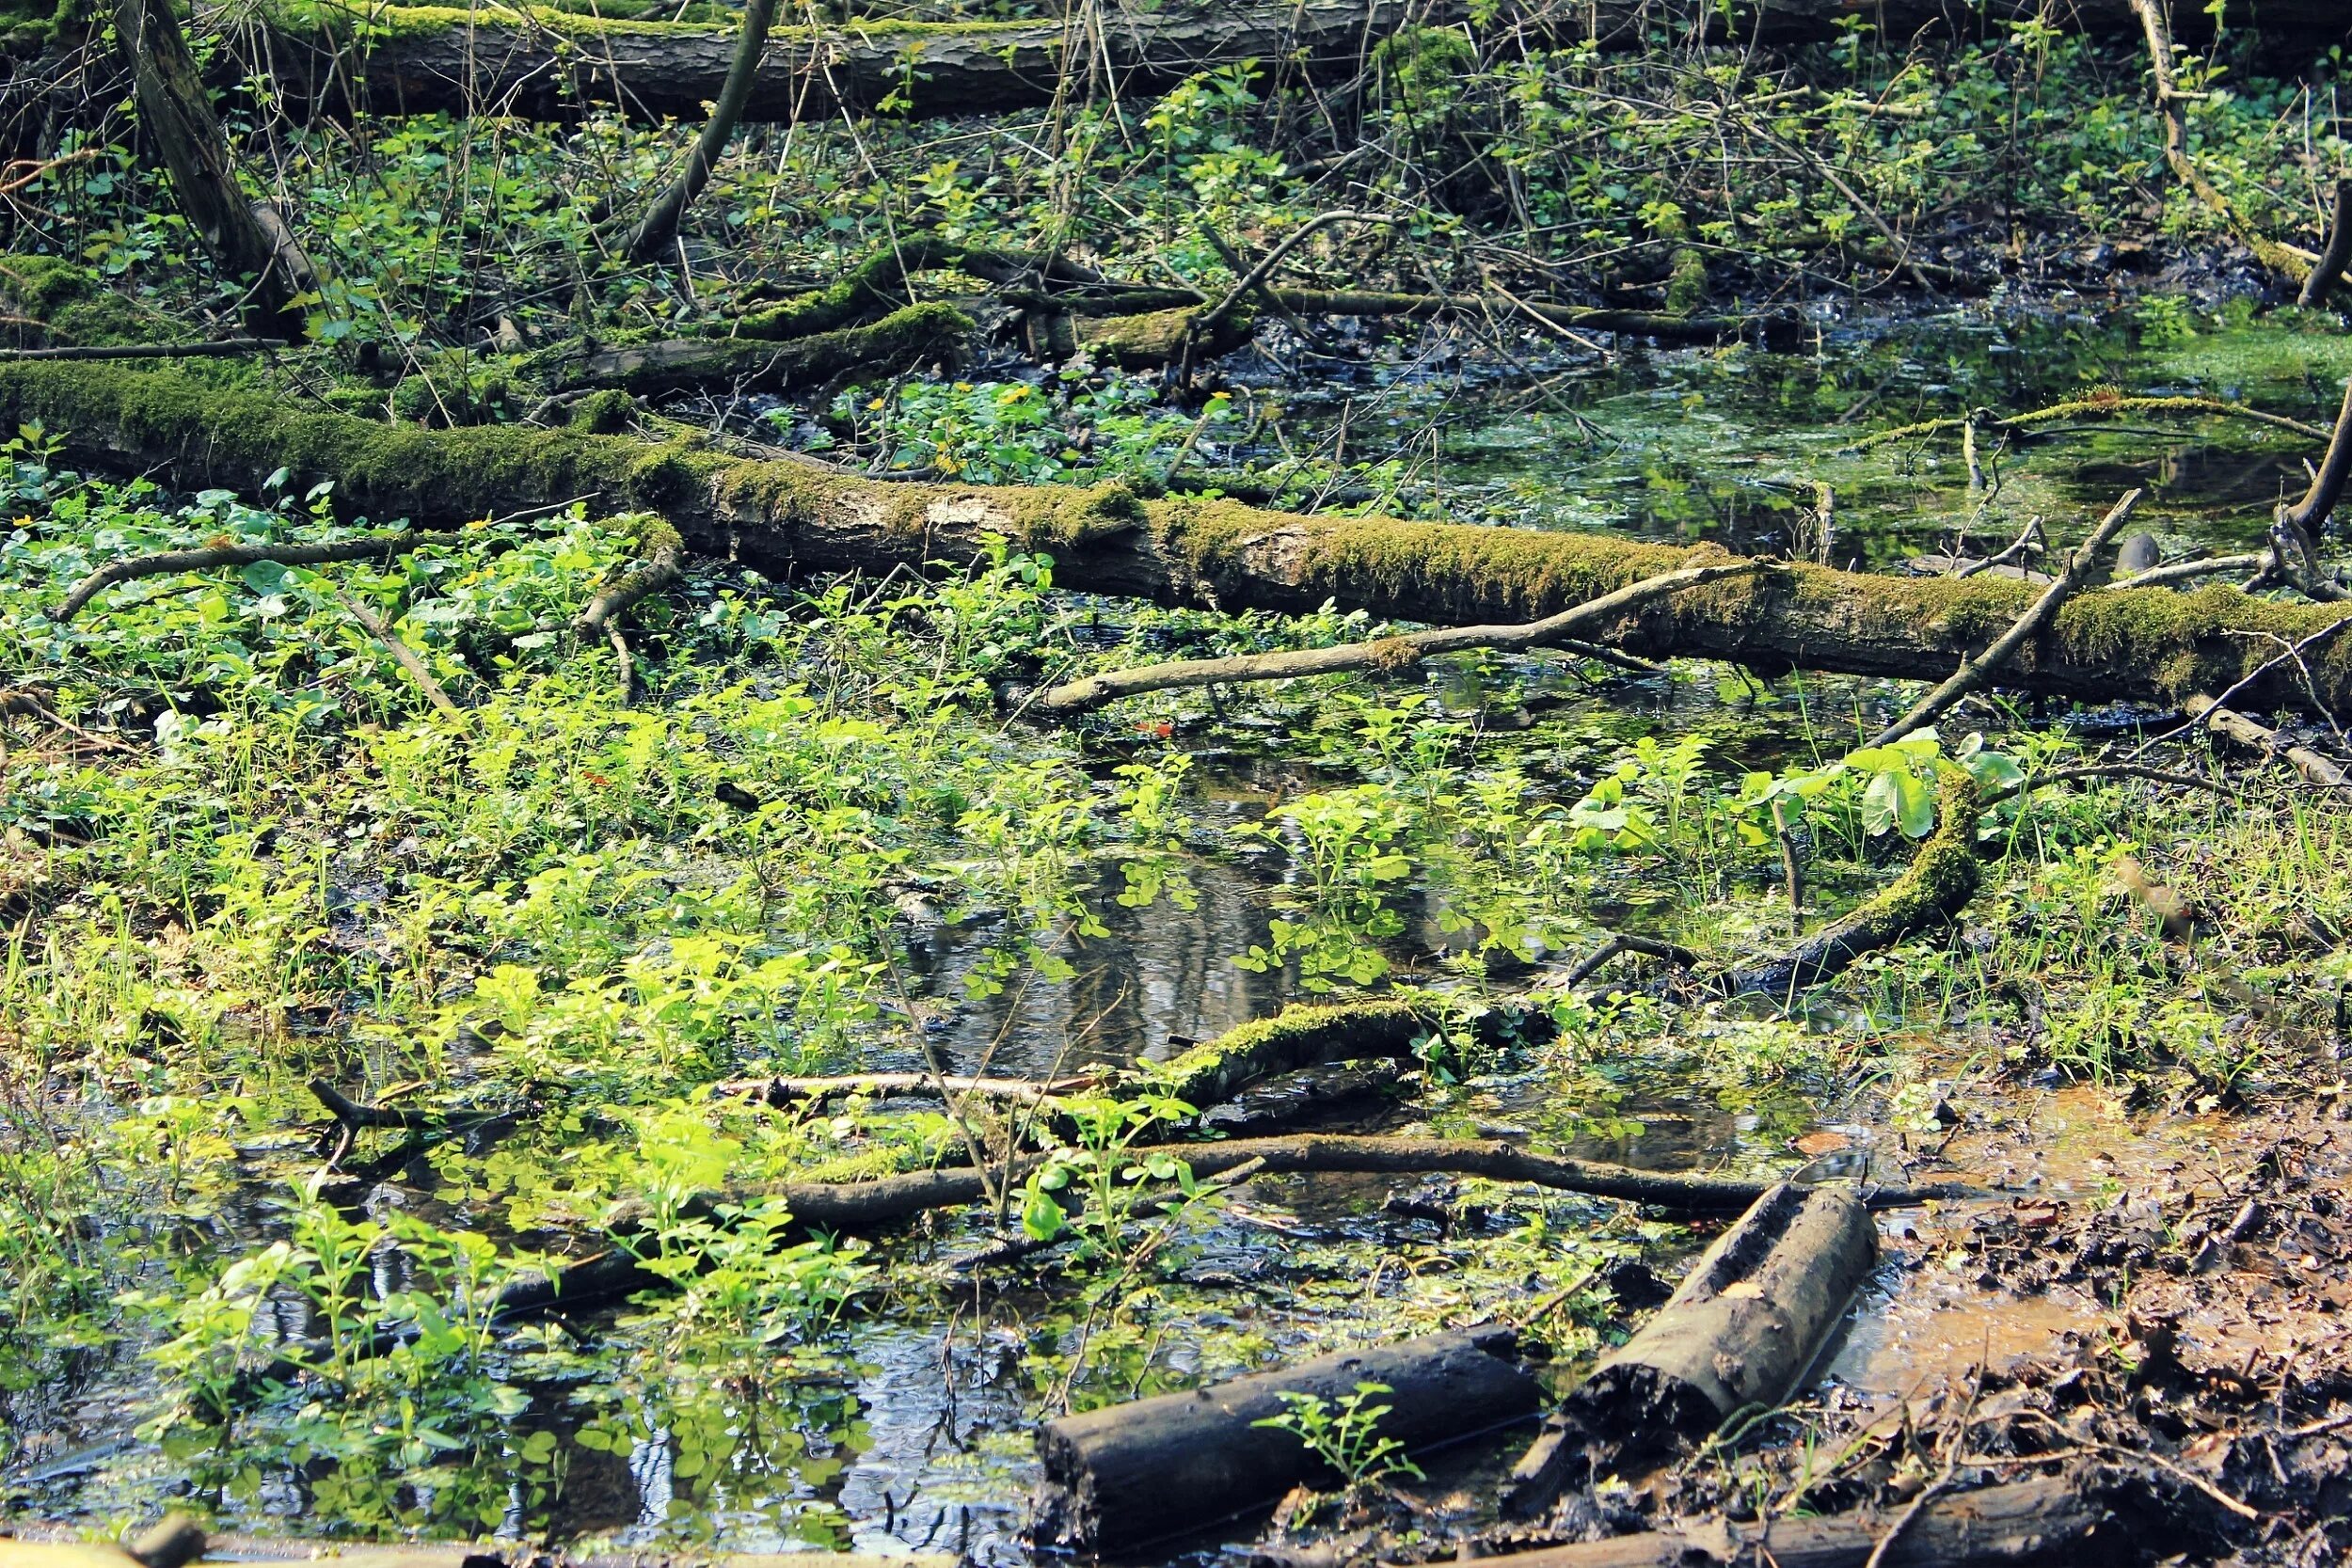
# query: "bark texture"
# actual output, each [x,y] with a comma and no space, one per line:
[514,59]
[2142,645]
[247,238]
[1131,1474]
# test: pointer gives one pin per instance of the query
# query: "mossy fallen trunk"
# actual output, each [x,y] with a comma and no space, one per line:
[2141,645]
[917,335]
[546,62]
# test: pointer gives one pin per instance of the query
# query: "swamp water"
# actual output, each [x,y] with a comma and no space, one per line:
[907,1426]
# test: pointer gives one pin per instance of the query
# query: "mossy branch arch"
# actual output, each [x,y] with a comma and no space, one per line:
[2140,645]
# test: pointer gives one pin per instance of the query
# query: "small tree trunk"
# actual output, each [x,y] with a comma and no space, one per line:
[659,228]
[247,238]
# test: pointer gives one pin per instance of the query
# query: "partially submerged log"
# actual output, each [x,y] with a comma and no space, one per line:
[2046,1519]
[1746,1324]
[1132,1474]
[2142,645]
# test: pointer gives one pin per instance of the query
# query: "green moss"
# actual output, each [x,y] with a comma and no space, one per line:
[1295,1037]
[71,301]
[1149,339]
[606,413]
[903,340]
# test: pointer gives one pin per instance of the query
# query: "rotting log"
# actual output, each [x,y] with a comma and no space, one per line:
[2045,1519]
[2145,645]
[1741,1330]
[911,336]
[1132,1474]
[1302,1035]
[546,63]
[878,285]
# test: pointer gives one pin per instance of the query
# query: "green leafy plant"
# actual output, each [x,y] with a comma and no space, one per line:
[1345,1433]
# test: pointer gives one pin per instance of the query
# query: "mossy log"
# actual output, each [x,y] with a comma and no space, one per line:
[1303,1036]
[544,62]
[2147,644]
[1128,1474]
[916,335]
[878,285]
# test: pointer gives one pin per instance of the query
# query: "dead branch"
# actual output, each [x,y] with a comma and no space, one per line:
[382,545]
[2190,571]
[1982,668]
[2099,406]
[1942,878]
[403,654]
[2309,515]
[658,230]
[2333,253]
[215,348]
[2322,770]
[1388,654]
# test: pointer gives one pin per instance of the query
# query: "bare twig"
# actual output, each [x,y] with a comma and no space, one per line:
[1390,653]
[1985,665]
[134,567]
[403,654]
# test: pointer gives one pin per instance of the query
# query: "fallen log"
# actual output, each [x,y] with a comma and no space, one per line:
[1128,1474]
[783,1092]
[540,62]
[1745,1325]
[2047,1519]
[2142,645]
[912,335]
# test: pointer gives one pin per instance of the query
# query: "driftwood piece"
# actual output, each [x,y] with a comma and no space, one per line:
[1743,1328]
[2322,770]
[1132,1474]
[2048,1519]
[130,569]
[1982,668]
[1388,653]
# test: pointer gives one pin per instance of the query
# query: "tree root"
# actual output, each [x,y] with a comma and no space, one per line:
[382,545]
[1389,656]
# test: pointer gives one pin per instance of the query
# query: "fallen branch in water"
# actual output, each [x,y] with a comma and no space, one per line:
[1387,655]
[2322,770]
[891,1086]
[1982,668]
[2089,407]
[132,568]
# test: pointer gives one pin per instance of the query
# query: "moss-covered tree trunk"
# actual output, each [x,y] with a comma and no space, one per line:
[2146,643]
[248,238]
